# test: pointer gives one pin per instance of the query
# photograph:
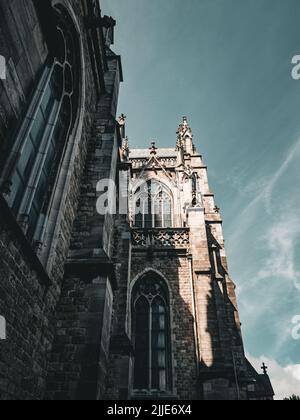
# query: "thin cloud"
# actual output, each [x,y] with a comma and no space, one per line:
[245,220]
[268,192]
[277,275]
[281,240]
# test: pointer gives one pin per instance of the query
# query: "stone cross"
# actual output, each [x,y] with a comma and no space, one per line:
[264,368]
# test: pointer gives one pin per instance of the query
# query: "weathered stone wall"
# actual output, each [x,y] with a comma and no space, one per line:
[28,306]
[119,362]
[23,303]
[93,231]
[78,364]
[82,339]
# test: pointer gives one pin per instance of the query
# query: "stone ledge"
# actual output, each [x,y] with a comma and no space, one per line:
[92,268]
[153,396]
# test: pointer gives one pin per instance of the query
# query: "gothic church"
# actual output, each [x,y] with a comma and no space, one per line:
[117,305]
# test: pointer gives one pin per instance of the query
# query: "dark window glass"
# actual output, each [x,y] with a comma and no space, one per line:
[152,365]
[158,215]
[17,191]
[167,211]
[33,219]
[54,111]
[38,128]
[142,311]
[159,341]
[138,215]
[155,211]
[48,100]
[148,221]
[28,155]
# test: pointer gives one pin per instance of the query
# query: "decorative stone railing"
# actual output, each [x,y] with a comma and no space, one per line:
[161,238]
[141,162]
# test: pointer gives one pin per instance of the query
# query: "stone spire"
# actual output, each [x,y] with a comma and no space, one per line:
[185,137]
[122,125]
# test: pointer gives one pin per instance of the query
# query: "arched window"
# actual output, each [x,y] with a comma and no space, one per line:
[151,321]
[152,206]
[42,138]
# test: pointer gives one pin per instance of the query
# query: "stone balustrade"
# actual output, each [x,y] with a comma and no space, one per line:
[177,238]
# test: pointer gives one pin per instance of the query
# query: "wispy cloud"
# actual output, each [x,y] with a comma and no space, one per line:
[281,239]
[264,195]
[275,279]
[279,243]
[268,191]
[270,284]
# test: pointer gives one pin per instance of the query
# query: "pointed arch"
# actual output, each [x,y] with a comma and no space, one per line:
[153,205]
[63,181]
[47,136]
[151,333]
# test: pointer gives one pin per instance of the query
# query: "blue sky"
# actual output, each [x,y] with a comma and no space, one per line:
[227,65]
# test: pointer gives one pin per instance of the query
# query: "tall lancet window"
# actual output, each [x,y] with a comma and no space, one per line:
[153,206]
[151,323]
[42,139]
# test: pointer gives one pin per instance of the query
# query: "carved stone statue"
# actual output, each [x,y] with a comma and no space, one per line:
[125,150]
[185,137]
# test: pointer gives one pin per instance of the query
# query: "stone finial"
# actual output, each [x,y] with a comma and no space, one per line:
[264,368]
[153,149]
[108,22]
[189,172]
[185,137]
[108,25]
[122,119]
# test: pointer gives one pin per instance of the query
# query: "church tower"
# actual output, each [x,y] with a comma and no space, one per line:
[113,274]
[182,321]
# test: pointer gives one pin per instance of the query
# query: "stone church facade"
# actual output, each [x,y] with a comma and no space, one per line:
[131,299]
